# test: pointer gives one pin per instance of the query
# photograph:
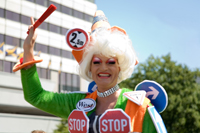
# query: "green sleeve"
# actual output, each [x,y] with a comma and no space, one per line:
[57,104]
[148,126]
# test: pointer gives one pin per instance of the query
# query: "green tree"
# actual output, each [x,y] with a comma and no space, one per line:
[183,112]
[62,127]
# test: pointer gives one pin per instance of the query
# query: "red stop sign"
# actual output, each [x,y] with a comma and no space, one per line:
[78,122]
[114,120]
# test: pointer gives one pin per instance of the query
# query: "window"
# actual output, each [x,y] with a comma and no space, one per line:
[12,64]
[48,74]
[75,82]
[8,66]
[43,73]
[88,18]
[69,81]
[66,54]
[42,2]
[78,14]
[1,38]
[62,78]
[78,81]
[25,20]
[40,47]
[62,82]
[65,82]
[54,51]
[9,40]
[1,65]
[12,16]
[66,10]
[1,12]
[63,30]
[12,41]
[54,28]
[44,26]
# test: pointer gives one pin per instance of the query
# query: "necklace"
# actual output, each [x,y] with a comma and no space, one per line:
[108,92]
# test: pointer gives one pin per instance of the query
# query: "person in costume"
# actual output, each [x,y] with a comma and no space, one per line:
[108,59]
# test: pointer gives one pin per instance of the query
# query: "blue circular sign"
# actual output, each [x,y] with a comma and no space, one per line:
[92,87]
[155,92]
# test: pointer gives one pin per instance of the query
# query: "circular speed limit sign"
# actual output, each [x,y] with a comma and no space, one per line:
[77,38]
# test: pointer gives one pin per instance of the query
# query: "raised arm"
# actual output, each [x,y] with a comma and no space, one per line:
[54,103]
[29,44]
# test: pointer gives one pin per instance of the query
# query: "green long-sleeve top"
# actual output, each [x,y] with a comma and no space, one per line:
[61,104]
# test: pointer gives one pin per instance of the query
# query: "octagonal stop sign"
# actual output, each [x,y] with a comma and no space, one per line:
[114,121]
[78,122]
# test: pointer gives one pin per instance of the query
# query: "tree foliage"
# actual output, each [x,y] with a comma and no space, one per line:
[183,112]
[62,127]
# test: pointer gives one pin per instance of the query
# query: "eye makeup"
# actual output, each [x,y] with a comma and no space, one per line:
[96,60]
[111,61]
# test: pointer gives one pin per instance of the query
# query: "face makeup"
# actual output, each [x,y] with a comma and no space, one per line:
[105,71]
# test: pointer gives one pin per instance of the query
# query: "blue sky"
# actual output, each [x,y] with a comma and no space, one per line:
[159,27]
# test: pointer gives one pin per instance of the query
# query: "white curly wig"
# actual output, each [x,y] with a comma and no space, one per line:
[110,43]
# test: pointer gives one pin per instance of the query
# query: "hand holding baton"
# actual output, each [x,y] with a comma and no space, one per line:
[48,12]
[29,59]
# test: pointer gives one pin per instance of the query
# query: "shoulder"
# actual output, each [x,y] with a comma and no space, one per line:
[92,95]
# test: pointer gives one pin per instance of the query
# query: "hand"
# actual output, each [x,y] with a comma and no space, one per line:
[29,43]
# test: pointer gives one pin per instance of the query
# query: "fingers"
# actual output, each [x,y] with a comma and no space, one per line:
[30,39]
[31,28]
[32,21]
[32,35]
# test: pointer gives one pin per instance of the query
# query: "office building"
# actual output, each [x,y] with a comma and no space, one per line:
[57,71]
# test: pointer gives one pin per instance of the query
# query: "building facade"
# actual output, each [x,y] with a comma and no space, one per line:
[57,71]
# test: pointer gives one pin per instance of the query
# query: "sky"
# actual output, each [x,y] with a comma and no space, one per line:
[159,27]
